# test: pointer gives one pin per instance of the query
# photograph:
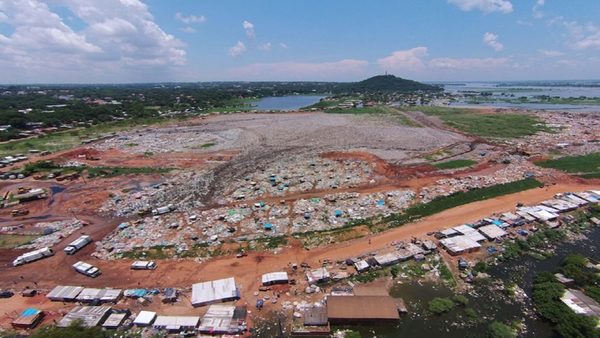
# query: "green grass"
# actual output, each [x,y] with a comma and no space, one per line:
[118,171]
[588,166]
[13,241]
[454,164]
[71,138]
[503,126]
[208,145]
[49,166]
[440,204]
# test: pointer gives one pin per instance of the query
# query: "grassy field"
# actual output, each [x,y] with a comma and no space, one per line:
[118,171]
[12,241]
[587,166]
[49,166]
[455,164]
[460,198]
[71,138]
[487,125]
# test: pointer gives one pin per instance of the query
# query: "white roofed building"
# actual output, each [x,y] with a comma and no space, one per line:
[221,290]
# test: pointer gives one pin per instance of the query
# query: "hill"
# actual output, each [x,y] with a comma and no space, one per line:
[389,83]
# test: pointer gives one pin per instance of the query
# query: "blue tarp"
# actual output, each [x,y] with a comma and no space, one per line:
[338,213]
[497,222]
[268,226]
[30,312]
[380,203]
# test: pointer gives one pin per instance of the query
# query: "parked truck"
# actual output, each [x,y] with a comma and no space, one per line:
[77,244]
[143,265]
[163,210]
[32,256]
[86,269]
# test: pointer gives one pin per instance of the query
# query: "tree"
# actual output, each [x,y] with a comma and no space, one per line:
[75,330]
[500,330]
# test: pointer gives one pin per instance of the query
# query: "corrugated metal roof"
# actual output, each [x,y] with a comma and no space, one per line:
[361,307]
[213,291]
[273,277]
[176,322]
[64,292]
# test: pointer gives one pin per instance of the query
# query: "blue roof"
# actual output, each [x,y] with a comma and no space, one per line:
[268,226]
[497,222]
[380,202]
[30,312]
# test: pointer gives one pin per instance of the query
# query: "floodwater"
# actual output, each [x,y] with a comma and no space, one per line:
[287,103]
[503,91]
[488,304]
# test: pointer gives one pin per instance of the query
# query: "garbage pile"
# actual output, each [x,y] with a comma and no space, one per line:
[297,174]
[53,233]
[518,169]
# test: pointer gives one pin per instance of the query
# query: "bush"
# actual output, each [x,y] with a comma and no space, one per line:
[440,305]
[460,300]
[500,330]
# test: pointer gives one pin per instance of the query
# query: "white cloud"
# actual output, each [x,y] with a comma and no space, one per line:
[118,41]
[238,49]
[348,69]
[283,45]
[190,19]
[537,9]
[581,36]
[491,40]
[404,60]
[486,6]
[265,46]
[469,63]
[249,28]
[550,53]
[188,29]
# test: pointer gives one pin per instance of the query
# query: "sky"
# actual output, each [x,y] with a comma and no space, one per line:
[130,41]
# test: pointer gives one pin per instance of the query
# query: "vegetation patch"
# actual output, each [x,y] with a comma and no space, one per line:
[460,198]
[587,166]
[503,126]
[455,164]
[118,171]
[440,305]
[13,241]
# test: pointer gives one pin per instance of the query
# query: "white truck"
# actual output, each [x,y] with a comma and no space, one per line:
[29,257]
[163,210]
[143,265]
[77,244]
[86,269]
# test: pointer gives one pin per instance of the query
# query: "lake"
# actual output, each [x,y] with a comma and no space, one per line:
[291,102]
[505,95]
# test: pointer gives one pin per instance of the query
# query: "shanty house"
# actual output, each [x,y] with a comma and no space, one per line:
[221,290]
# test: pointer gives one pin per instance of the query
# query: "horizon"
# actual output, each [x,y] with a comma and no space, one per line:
[458,81]
[151,41]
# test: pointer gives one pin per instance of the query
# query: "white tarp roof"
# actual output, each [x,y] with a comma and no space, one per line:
[105,295]
[176,322]
[459,244]
[492,231]
[144,318]
[214,291]
[464,229]
[272,277]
